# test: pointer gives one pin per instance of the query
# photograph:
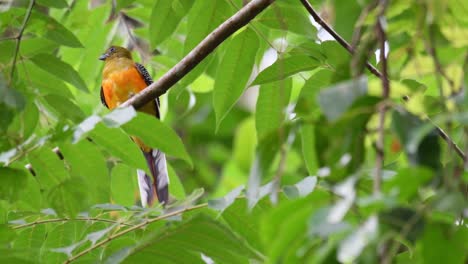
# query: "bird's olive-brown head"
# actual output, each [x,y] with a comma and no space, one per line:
[115,52]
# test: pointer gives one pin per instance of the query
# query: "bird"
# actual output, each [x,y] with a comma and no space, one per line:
[122,78]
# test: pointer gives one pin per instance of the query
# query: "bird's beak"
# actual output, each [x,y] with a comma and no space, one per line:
[104,56]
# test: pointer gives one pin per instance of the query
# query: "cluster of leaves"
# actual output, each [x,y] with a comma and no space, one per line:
[279,108]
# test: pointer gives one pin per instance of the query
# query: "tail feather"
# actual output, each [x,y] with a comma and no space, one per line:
[159,187]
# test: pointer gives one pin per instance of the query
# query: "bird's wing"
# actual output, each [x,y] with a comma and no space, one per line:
[148,80]
[103,99]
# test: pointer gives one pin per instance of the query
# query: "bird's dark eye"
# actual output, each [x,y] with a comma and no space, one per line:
[112,49]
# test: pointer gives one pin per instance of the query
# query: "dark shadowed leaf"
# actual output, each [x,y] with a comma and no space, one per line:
[335,100]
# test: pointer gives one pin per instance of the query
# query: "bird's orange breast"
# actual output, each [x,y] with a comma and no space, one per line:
[119,85]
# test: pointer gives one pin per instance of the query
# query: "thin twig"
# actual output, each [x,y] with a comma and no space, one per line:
[370,67]
[18,39]
[200,52]
[65,219]
[133,228]
[336,36]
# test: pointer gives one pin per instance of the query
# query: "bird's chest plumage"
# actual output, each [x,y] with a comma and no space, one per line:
[120,82]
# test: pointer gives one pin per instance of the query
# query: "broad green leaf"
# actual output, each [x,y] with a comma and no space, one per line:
[176,188]
[289,19]
[157,135]
[200,235]
[60,69]
[86,160]
[53,3]
[45,82]
[308,148]
[50,170]
[204,16]
[444,244]
[335,100]
[245,141]
[236,66]
[307,103]
[270,112]
[284,229]
[123,185]
[25,122]
[407,182]
[118,144]
[247,222]
[165,17]
[30,240]
[12,184]
[54,30]
[65,107]
[67,199]
[60,237]
[285,67]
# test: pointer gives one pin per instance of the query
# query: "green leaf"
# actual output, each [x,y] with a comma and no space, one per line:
[50,170]
[53,3]
[421,142]
[60,69]
[67,199]
[444,244]
[270,112]
[236,66]
[7,234]
[123,185]
[176,188]
[288,18]
[86,160]
[118,144]
[198,236]
[157,135]
[12,183]
[65,107]
[285,67]
[61,237]
[335,100]
[54,30]
[203,17]
[308,148]
[302,188]
[31,239]
[407,182]
[165,17]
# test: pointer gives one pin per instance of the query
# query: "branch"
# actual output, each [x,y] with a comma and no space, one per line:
[133,228]
[55,220]
[19,36]
[200,52]
[371,68]
[380,31]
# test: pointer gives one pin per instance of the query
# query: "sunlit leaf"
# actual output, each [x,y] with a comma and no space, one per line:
[60,69]
[237,64]
[285,67]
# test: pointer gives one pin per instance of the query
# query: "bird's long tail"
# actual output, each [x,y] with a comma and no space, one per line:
[159,187]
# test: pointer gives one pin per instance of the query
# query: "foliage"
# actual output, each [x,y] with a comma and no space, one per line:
[278,125]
